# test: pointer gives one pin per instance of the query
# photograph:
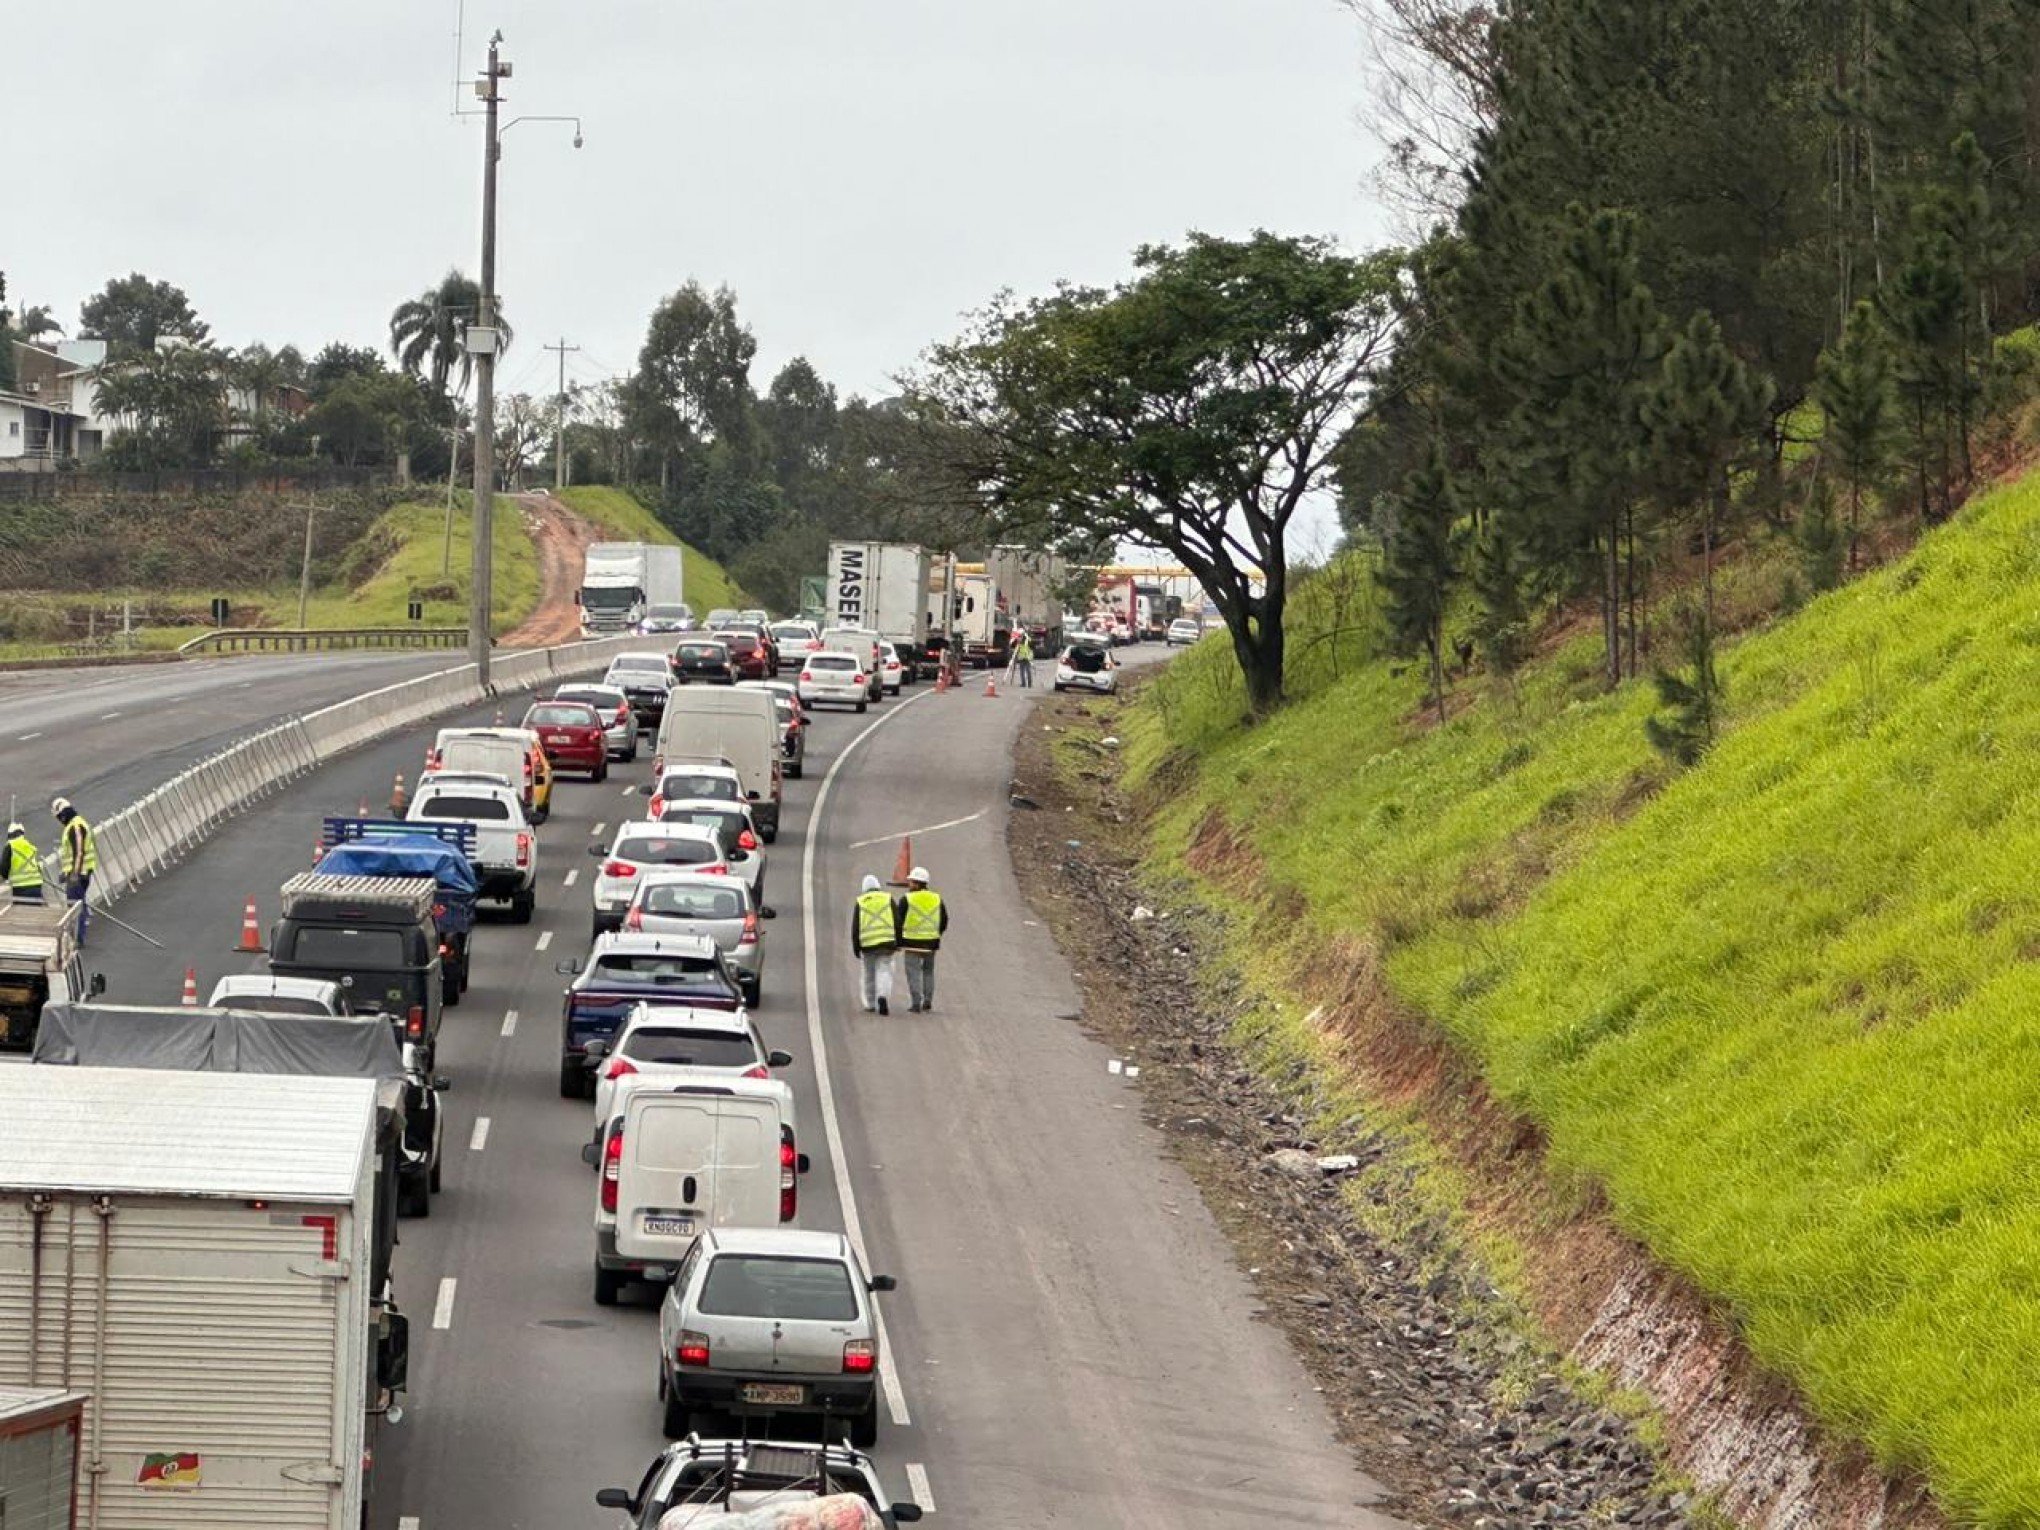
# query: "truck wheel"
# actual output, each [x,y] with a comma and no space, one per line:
[864,1427]
[572,1076]
[449,985]
[608,1284]
[434,1181]
[523,905]
[414,1196]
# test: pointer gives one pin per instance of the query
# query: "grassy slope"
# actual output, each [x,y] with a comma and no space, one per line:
[418,532]
[616,511]
[1785,1010]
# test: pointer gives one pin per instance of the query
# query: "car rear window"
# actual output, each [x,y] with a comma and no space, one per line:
[653,967]
[1085,659]
[686,901]
[605,698]
[726,824]
[279,1004]
[562,715]
[757,1286]
[679,1047]
[832,660]
[319,945]
[478,809]
[679,788]
[674,850]
[741,642]
[793,634]
[714,653]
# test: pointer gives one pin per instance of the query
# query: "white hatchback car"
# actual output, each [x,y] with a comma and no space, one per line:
[834,676]
[657,1040]
[639,847]
[890,666]
[1087,667]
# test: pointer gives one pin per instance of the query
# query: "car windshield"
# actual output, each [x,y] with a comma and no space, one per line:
[668,613]
[1086,660]
[721,615]
[759,1286]
[319,945]
[276,1003]
[679,788]
[682,900]
[667,850]
[655,967]
[477,809]
[679,1047]
[561,715]
[605,598]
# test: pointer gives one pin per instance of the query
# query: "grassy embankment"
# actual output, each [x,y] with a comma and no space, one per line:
[1783,1010]
[616,511]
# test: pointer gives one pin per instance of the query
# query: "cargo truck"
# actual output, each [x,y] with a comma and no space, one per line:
[882,587]
[39,1433]
[983,626]
[620,580]
[40,964]
[206,1257]
[1026,579]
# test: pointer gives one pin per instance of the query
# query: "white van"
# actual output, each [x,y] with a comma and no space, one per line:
[496,752]
[867,646]
[678,1157]
[710,722]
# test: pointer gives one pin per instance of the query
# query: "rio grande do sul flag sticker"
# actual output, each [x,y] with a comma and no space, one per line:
[174,1471]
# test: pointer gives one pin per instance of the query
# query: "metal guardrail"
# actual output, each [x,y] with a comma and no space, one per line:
[150,835]
[319,639]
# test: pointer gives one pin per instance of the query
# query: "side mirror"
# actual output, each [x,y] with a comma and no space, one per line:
[645,791]
[597,1050]
[779,1059]
[800,1163]
[884,1283]
[588,1154]
[97,986]
[441,1082]
[393,1351]
[906,1513]
[768,913]
[597,852]
[752,795]
[568,968]
[619,1498]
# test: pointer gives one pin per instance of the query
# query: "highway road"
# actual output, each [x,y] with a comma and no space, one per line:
[104,735]
[1071,1344]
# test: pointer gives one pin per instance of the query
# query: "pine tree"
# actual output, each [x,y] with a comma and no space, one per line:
[1822,544]
[1853,388]
[1418,569]
[1922,311]
[1684,731]
[1502,626]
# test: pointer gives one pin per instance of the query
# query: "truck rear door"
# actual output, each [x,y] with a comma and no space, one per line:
[694,1160]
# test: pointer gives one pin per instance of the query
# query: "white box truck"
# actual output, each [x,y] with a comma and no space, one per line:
[883,587]
[201,1254]
[39,1432]
[619,580]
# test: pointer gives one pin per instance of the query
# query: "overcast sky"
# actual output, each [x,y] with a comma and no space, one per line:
[860,171]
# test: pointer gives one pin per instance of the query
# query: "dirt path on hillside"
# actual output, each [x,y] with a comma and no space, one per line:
[562,538]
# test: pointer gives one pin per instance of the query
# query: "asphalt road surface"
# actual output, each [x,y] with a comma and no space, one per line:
[1071,1343]
[105,735]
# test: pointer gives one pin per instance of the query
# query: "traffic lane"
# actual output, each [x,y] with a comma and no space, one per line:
[1055,1266]
[107,736]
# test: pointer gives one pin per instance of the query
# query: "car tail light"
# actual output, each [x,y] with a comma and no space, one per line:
[860,1358]
[658,766]
[524,849]
[789,1178]
[806,675]
[414,1022]
[814,645]
[612,1166]
[749,937]
[717,870]
[618,869]
[656,809]
[619,1067]
[860,679]
[692,1348]
[623,714]
[761,1071]
[432,759]
[635,919]
[747,840]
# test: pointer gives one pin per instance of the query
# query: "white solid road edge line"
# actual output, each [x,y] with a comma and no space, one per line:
[917,1487]
[480,1139]
[509,1022]
[407,1522]
[832,1130]
[442,1310]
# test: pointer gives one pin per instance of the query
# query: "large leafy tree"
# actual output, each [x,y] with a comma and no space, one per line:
[693,382]
[370,417]
[130,313]
[425,331]
[1192,409]
[171,405]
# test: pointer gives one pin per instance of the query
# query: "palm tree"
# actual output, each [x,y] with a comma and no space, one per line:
[425,332]
[36,321]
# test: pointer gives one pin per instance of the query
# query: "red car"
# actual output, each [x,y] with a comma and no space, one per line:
[571,733]
[749,652]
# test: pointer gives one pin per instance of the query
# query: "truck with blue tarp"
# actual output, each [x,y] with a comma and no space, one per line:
[388,847]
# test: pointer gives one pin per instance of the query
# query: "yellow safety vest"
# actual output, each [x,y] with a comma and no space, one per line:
[875,926]
[81,852]
[24,867]
[924,917]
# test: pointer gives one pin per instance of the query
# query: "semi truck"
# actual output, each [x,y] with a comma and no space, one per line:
[206,1256]
[1026,579]
[984,628]
[619,580]
[881,587]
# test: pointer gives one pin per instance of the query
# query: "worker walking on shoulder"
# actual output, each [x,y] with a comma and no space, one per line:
[923,918]
[77,858]
[23,865]
[874,936]
[1023,659]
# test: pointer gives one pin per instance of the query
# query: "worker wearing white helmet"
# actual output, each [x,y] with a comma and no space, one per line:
[923,918]
[23,864]
[874,936]
[78,859]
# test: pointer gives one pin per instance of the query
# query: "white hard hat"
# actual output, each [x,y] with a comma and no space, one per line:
[872,883]
[16,828]
[918,874]
[58,804]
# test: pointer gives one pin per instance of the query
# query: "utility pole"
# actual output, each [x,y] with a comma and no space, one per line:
[452,467]
[482,344]
[304,589]
[560,431]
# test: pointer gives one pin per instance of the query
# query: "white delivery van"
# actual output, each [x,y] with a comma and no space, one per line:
[704,722]
[678,1156]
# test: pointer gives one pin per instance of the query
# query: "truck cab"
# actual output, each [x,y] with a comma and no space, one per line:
[40,964]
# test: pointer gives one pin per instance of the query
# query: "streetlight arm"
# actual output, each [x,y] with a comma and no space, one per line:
[547,118]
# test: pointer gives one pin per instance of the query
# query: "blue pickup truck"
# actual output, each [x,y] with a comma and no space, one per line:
[627,970]
[388,847]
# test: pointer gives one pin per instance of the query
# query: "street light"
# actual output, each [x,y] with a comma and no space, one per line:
[482,341]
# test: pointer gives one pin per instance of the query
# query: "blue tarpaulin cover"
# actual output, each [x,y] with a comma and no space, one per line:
[402,855]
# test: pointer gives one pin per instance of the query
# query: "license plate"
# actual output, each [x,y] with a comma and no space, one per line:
[559,738]
[669,1227]
[772,1392]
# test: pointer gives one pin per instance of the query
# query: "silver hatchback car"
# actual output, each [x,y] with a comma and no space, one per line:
[701,903]
[763,1321]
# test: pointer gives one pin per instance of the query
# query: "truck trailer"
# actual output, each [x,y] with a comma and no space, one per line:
[1027,579]
[619,580]
[199,1254]
[881,587]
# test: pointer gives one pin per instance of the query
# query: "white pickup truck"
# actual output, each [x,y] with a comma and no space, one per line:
[506,846]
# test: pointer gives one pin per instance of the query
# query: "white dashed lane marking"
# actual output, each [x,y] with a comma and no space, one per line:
[480,1139]
[442,1310]
[571,877]
[509,1022]
[544,940]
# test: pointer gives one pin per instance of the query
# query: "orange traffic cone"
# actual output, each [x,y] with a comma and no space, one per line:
[941,680]
[191,987]
[905,863]
[251,930]
[399,798]
[991,685]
